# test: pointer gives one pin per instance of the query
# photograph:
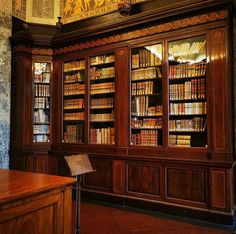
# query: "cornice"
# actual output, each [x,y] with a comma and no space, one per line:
[148,31]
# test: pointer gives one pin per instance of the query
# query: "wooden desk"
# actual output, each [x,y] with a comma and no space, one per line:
[33,203]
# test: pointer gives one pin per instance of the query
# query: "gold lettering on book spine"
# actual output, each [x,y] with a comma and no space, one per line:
[184,23]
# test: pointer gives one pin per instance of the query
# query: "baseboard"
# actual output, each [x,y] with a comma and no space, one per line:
[220,218]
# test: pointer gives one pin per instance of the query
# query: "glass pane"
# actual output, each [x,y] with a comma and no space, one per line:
[187,93]
[41,127]
[102,89]
[146,96]
[73,101]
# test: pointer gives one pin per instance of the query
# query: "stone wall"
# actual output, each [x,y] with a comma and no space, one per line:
[5,79]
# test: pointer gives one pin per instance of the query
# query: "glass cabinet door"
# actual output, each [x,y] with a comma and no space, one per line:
[73,101]
[102,90]
[41,125]
[146,96]
[187,92]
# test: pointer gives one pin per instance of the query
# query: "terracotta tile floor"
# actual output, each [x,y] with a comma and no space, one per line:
[103,219]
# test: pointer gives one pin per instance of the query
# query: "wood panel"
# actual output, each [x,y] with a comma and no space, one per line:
[27,103]
[218,189]
[186,184]
[222,188]
[218,94]
[102,177]
[143,179]
[122,97]
[21,131]
[118,176]
[41,163]
[39,219]
[56,103]
[35,203]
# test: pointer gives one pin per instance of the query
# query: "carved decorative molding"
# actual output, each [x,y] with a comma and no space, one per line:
[34,51]
[40,51]
[22,48]
[184,23]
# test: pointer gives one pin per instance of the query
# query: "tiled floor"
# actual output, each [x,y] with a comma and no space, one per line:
[101,219]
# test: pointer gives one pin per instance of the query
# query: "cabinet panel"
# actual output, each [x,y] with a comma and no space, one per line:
[222,192]
[37,203]
[143,179]
[218,189]
[39,221]
[219,72]
[186,184]
[118,176]
[102,177]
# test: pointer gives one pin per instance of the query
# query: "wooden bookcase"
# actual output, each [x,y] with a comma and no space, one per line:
[148,97]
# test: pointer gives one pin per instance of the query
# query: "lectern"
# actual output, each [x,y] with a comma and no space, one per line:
[79,164]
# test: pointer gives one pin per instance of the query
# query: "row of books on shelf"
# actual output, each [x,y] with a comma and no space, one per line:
[193,89]
[146,123]
[102,88]
[140,106]
[187,49]
[143,88]
[145,58]
[75,77]
[74,65]
[41,116]
[42,77]
[73,103]
[101,103]
[188,108]
[102,136]
[74,116]
[180,140]
[145,138]
[41,102]
[102,73]
[41,138]
[146,73]
[74,133]
[41,129]
[102,117]
[42,90]
[184,70]
[74,89]
[197,124]
[102,59]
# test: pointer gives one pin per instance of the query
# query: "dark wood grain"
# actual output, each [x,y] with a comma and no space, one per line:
[35,203]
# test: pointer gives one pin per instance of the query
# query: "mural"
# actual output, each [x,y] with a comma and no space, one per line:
[5,81]
[72,10]
[19,9]
[43,9]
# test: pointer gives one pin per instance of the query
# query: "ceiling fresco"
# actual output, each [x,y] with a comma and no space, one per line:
[47,11]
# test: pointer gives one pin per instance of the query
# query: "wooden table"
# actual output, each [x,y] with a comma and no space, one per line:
[33,203]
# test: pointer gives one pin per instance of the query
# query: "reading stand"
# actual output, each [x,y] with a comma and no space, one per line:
[79,164]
